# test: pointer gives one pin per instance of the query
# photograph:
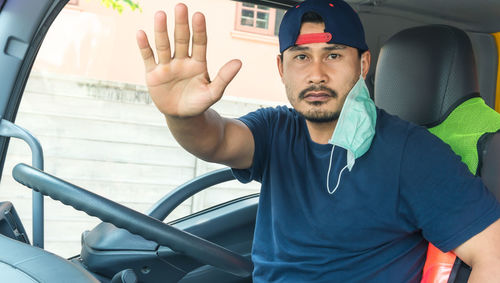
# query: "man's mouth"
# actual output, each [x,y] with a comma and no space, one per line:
[317,94]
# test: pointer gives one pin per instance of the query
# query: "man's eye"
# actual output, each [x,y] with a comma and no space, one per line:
[301,57]
[333,56]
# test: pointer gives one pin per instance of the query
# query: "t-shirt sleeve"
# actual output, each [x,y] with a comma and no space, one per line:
[440,195]
[259,124]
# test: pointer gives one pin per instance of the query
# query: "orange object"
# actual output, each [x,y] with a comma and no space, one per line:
[437,266]
[497,98]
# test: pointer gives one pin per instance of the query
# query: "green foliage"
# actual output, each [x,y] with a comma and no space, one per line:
[119,5]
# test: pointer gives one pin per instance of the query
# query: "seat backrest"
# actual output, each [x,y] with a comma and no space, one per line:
[427,75]
[489,165]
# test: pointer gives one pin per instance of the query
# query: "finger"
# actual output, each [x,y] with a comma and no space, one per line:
[181,32]
[199,38]
[146,51]
[224,77]
[161,38]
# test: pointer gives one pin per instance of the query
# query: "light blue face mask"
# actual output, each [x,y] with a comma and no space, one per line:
[355,127]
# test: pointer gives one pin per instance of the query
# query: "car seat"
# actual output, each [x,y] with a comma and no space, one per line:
[427,75]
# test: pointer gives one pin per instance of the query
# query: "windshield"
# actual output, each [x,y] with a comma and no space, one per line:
[87,103]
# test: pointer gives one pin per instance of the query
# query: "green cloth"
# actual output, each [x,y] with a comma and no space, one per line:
[464,126]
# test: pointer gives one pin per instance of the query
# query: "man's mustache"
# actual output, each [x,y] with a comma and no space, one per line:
[328,90]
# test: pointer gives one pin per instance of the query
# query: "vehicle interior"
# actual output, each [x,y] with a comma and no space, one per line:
[429,58]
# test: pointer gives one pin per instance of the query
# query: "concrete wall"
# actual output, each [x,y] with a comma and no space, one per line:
[106,137]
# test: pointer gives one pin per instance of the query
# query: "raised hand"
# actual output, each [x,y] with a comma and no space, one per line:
[180,85]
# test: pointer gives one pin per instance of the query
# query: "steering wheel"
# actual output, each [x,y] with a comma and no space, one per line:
[133,221]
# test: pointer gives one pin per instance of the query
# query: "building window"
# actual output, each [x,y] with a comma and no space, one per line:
[257,19]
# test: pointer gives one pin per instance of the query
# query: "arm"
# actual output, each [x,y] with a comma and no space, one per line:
[182,90]
[482,254]
[214,138]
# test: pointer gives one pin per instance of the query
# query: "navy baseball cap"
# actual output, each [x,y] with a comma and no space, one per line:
[342,25]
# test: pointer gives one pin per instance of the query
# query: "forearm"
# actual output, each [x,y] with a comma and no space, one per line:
[487,271]
[482,254]
[201,135]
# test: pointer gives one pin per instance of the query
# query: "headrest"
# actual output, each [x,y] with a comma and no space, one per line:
[423,73]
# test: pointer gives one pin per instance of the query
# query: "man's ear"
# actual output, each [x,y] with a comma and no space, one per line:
[279,61]
[365,60]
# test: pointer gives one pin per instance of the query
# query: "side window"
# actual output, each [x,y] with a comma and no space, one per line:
[87,103]
[257,19]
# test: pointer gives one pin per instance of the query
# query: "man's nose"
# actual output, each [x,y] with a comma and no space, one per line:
[317,73]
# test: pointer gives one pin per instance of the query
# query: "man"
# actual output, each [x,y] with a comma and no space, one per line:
[349,192]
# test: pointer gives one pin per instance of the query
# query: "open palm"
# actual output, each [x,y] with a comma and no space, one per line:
[180,85]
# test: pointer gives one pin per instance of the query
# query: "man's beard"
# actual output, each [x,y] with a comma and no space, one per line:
[317,116]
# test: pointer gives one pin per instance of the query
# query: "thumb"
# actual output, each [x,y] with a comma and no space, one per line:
[224,77]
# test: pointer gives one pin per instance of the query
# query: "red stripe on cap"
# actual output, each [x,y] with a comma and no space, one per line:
[313,38]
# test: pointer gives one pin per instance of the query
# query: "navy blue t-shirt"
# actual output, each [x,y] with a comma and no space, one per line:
[409,188]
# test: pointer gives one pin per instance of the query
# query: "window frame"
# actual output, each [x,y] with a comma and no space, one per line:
[271,21]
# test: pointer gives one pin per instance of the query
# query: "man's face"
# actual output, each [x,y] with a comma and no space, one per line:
[318,76]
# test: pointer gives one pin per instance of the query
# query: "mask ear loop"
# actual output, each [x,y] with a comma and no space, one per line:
[361,72]
[328,174]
